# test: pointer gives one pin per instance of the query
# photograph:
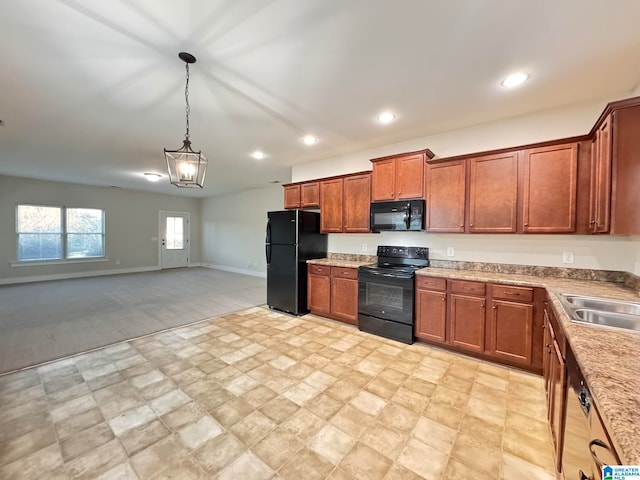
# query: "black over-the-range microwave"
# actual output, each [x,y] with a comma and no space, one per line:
[406,215]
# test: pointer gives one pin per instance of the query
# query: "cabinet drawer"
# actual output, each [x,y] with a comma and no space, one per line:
[319,269]
[344,272]
[469,288]
[431,283]
[505,292]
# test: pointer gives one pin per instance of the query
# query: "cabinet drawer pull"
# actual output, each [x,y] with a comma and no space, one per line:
[517,294]
[599,443]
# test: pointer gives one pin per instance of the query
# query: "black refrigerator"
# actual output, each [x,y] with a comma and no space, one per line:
[293,237]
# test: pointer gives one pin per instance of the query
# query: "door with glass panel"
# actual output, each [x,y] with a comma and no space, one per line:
[174,240]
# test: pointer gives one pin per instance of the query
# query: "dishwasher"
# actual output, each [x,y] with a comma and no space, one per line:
[586,446]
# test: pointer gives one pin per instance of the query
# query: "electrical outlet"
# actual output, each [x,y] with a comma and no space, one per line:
[567,257]
[364,247]
[450,252]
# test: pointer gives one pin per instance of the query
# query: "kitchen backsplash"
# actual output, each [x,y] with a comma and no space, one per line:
[629,280]
[352,257]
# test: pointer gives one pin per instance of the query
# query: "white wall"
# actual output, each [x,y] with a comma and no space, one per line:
[597,252]
[233,229]
[131,220]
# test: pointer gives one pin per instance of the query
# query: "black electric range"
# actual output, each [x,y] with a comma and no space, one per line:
[386,292]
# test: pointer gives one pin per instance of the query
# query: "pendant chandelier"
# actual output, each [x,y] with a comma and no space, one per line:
[187,167]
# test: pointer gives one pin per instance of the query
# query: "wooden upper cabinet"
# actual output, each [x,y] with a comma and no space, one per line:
[445,196]
[384,180]
[600,197]
[493,193]
[302,195]
[399,177]
[310,195]
[357,202]
[625,176]
[292,196]
[331,198]
[549,189]
[410,177]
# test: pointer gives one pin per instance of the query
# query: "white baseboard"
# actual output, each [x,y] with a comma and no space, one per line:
[65,276]
[243,271]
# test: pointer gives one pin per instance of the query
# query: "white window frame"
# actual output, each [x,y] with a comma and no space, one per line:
[64,258]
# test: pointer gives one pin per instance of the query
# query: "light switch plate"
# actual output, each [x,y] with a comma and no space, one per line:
[450,252]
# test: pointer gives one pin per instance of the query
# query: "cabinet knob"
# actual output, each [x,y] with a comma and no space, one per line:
[526,224]
[471,224]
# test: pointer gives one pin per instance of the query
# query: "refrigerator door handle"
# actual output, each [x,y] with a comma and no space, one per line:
[267,253]
[268,239]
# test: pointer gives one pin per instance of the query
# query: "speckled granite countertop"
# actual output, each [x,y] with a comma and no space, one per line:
[336,262]
[609,358]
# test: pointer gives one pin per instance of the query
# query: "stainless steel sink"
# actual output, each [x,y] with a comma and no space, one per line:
[602,304]
[602,311]
[608,319]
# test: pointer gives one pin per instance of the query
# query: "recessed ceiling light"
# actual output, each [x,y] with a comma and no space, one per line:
[309,140]
[514,80]
[152,177]
[386,117]
[258,155]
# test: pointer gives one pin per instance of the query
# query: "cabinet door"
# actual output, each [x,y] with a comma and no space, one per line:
[546,353]
[384,180]
[331,206]
[557,401]
[604,451]
[445,194]
[409,177]
[431,315]
[344,299]
[493,193]
[600,205]
[310,195]
[512,331]
[292,196]
[549,189]
[467,322]
[319,293]
[357,202]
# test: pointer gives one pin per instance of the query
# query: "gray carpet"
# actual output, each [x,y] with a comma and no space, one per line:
[48,320]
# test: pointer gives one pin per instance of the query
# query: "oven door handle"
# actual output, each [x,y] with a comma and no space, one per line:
[388,275]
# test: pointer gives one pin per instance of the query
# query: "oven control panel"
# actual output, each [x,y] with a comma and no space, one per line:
[403,252]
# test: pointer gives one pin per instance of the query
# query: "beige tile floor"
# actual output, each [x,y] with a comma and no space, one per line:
[261,395]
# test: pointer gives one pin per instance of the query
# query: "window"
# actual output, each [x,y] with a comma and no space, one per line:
[55,233]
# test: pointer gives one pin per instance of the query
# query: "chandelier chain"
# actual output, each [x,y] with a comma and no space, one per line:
[186,98]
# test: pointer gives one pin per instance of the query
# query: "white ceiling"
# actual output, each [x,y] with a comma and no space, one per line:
[91,91]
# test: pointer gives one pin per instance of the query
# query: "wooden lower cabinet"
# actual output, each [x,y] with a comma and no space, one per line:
[554,373]
[319,289]
[454,313]
[467,322]
[333,292]
[511,330]
[431,315]
[344,299]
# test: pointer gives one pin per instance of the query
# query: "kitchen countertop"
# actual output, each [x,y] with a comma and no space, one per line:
[608,357]
[336,262]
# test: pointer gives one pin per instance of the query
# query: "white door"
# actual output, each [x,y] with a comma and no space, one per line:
[174,239]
